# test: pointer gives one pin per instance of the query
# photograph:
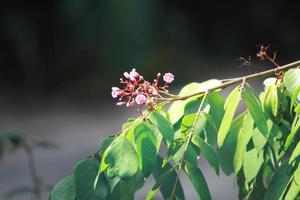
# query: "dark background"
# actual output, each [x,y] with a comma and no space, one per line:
[77,49]
[59,60]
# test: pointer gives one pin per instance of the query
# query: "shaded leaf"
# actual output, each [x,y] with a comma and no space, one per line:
[216,111]
[279,182]
[164,126]
[165,178]
[121,159]
[198,181]
[146,148]
[87,188]
[64,189]
[208,152]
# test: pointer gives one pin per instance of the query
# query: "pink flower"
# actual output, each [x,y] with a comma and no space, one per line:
[115,91]
[168,77]
[140,99]
[132,75]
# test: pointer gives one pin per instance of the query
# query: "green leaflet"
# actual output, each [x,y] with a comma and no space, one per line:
[296,151]
[259,140]
[198,181]
[189,120]
[120,159]
[179,154]
[145,142]
[176,109]
[271,101]
[216,111]
[226,152]
[64,189]
[85,172]
[126,189]
[104,144]
[244,136]
[208,152]
[255,109]
[165,178]
[279,183]
[294,130]
[231,105]
[291,80]
[164,126]
[295,96]
[251,164]
[294,188]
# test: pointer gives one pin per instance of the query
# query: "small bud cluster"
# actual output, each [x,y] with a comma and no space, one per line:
[138,91]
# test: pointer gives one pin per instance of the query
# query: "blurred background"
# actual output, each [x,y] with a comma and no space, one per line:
[59,60]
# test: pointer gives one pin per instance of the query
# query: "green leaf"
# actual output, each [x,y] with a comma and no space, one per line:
[159,182]
[226,152]
[291,80]
[259,140]
[146,148]
[231,105]
[104,144]
[126,189]
[279,182]
[296,151]
[295,94]
[128,124]
[252,163]
[121,159]
[255,110]
[64,189]
[188,121]
[198,181]
[165,178]
[85,172]
[216,111]
[208,152]
[244,136]
[164,126]
[176,109]
[294,129]
[178,154]
[294,188]
[271,101]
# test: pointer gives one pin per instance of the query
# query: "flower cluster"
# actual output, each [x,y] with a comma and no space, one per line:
[138,91]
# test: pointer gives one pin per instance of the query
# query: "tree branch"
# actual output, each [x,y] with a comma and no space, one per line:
[240,79]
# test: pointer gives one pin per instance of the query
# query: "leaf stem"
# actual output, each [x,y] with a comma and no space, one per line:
[187,144]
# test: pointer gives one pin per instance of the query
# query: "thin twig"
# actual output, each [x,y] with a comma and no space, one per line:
[33,171]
